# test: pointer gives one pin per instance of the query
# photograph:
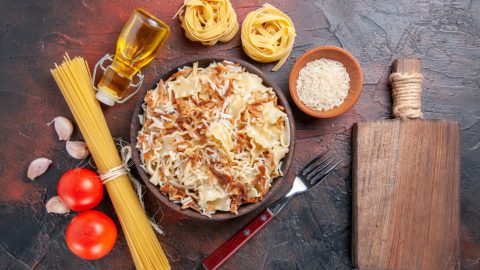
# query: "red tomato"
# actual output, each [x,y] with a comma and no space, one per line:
[91,235]
[80,189]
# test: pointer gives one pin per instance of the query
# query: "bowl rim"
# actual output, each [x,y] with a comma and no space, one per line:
[245,208]
[354,95]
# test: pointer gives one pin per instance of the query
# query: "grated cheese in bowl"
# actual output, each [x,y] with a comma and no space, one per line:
[323,84]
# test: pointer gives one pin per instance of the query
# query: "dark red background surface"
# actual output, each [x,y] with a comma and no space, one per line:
[313,232]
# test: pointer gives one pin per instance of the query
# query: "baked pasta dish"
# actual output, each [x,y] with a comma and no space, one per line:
[213,138]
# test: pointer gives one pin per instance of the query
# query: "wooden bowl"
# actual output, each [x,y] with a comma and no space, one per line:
[220,215]
[334,53]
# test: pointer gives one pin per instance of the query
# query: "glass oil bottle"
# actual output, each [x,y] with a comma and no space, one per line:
[139,42]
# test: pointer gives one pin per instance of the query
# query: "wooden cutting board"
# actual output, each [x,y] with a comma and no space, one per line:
[406,178]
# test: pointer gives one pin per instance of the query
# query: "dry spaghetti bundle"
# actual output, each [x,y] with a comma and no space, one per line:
[74,80]
[268,35]
[209,21]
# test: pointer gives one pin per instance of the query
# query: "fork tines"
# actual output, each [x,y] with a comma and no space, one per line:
[320,167]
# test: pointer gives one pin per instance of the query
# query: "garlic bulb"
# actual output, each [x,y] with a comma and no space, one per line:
[63,127]
[38,167]
[77,149]
[56,205]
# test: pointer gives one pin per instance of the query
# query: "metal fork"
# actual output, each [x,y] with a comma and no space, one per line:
[309,177]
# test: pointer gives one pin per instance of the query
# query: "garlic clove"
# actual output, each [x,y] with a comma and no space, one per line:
[77,149]
[38,167]
[63,127]
[55,205]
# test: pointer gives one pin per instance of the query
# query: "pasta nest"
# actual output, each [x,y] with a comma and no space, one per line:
[209,21]
[213,138]
[268,35]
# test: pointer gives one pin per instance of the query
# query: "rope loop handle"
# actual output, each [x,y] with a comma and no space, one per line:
[407,95]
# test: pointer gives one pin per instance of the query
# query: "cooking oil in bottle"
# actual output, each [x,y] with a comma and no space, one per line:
[139,42]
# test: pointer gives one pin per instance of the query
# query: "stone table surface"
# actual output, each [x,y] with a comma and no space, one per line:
[314,231]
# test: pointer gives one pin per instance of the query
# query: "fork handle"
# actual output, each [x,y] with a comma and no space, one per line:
[221,254]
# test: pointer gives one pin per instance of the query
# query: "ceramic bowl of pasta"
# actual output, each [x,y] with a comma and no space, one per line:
[213,138]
